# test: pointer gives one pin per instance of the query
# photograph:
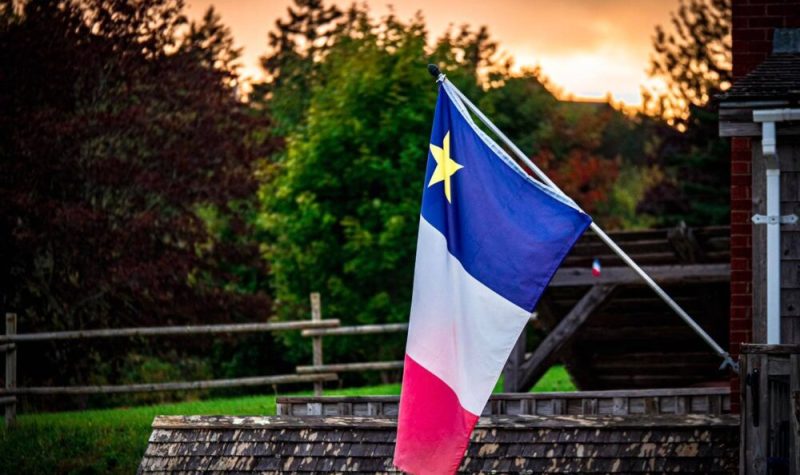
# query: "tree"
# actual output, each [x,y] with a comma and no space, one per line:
[696,185]
[520,105]
[212,44]
[341,214]
[297,50]
[472,60]
[118,134]
[694,60]
[570,147]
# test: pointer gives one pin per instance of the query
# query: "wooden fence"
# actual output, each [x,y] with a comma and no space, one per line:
[316,334]
[316,328]
[9,342]
[770,427]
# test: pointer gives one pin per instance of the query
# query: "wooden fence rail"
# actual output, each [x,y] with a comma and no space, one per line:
[358,330]
[344,367]
[9,341]
[316,334]
[174,330]
[177,386]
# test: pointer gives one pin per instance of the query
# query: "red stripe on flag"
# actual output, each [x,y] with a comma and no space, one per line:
[433,429]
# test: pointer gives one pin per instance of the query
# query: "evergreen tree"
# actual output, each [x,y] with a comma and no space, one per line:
[342,212]
[694,60]
[297,50]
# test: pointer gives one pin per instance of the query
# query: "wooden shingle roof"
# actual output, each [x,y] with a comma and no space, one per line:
[501,444]
[778,77]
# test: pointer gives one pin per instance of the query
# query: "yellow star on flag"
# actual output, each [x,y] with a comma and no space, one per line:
[445,166]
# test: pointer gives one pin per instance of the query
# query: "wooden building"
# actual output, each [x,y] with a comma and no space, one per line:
[761,113]
[773,85]
[518,444]
[614,332]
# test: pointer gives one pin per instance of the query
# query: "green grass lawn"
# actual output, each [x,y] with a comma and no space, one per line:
[113,440]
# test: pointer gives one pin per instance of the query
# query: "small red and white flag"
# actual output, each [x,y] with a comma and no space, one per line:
[596,268]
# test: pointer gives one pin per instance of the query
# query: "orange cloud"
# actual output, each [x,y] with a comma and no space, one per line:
[589,48]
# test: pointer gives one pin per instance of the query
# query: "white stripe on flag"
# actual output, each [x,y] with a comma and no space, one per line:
[460,330]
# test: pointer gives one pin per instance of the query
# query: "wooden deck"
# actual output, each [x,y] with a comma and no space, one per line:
[613,332]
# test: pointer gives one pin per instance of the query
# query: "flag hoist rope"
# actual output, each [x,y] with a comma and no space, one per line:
[727,360]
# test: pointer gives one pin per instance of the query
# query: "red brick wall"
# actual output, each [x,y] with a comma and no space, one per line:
[753,25]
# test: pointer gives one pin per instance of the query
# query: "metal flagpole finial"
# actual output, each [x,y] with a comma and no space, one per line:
[436,72]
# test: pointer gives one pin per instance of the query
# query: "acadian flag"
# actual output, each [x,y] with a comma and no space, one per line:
[490,239]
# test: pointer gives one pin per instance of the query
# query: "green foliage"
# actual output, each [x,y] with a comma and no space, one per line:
[556,379]
[573,151]
[522,108]
[297,48]
[134,184]
[341,213]
[340,209]
[696,185]
[629,189]
[141,368]
[121,120]
[693,59]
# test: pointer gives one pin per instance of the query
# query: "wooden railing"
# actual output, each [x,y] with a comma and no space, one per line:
[316,334]
[317,373]
[9,342]
[644,402]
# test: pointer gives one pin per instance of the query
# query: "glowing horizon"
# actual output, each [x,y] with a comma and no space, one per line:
[588,49]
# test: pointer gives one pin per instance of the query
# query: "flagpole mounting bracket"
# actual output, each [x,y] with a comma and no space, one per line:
[436,72]
[729,362]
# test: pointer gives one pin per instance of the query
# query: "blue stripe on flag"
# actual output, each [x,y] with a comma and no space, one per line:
[508,231]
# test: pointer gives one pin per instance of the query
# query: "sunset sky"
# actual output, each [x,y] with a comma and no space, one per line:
[586,47]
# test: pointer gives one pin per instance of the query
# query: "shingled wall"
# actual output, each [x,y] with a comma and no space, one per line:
[653,402]
[527,444]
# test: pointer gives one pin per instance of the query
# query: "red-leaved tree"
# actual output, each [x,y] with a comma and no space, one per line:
[127,165]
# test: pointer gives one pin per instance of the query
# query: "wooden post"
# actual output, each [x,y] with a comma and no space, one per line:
[511,373]
[11,370]
[794,414]
[316,341]
[534,367]
[755,415]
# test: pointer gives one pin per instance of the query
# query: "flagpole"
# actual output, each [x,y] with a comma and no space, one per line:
[727,360]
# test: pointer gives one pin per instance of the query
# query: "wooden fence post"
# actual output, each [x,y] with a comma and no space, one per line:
[11,369]
[316,341]
[794,414]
